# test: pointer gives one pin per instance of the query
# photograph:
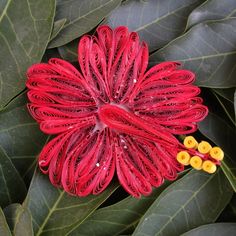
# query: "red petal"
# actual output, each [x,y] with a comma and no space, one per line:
[96,167]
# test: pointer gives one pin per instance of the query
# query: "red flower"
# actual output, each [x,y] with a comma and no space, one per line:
[113,115]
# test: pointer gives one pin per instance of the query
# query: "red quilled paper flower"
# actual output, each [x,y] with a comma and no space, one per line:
[112,115]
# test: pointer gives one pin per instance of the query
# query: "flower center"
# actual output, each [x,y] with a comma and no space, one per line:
[126,122]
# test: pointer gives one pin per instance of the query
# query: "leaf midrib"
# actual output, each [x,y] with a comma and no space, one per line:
[88,13]
[40,230]
[183,206]
[5,9]
[161,18]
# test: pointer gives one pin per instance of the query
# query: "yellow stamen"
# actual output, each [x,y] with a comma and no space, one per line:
[196,162]
[190,142]
[217,153]
[204,147]
[209,167]
[183,157]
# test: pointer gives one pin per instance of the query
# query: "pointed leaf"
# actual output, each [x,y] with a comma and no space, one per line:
[229,213]
[196,199]
[226,93]
[20,136]
[82,16]
[25,29]
[219,229]
[157,22]
[57,27]
[212,10]
[120,217]
[209,50]
[12,186]
[227,106]
[4,229]
[19,220]
[69,51]
[223,135]
[54,212]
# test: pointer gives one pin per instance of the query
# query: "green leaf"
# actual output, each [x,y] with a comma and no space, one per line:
[227,107]
[223,135]
[57,27]
[12,186]
[156,21]
[226,93]
[25,30]
[19,220]
[116,219]
[209,50]
[82,16]
[235,103]
[20,136]
[4,229]
[54,212]
[229,213]
[212,10]
[69,51]
[196,199]
[219,229]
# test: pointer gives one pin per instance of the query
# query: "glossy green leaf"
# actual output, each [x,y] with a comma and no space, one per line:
[12,186]
[57,27]
[25,30]
[212,10]
[54,212]
[209,50]
[69,51]
[157,22]
[219,229]
[229,213]
[226,93]
[19,220]
[196,199]
[227,106]
[81,16]
[20,136]
[223,135]
[235,103]
[118,218]
[4,229]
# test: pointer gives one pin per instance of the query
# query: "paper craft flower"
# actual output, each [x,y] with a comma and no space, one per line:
[113,116]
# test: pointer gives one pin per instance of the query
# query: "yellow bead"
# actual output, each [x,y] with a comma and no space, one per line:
[204,147]
[209,167]
[217,153]
[196,162]
[190,142]
[183,157]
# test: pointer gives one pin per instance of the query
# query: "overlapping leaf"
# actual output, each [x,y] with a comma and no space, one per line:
[20,136]
[57,27]
[223,135]
[157,22]
[25,29]
[120,217]
[12,186]
[226,93]
[4,229]
[229,213]
[81,16]
[196,199]
[54,212]
[19,220]
[212,10]
[209,50]
[227,107]
[219,229]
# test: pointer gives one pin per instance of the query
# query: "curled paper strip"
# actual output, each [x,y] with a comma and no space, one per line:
[112,115]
